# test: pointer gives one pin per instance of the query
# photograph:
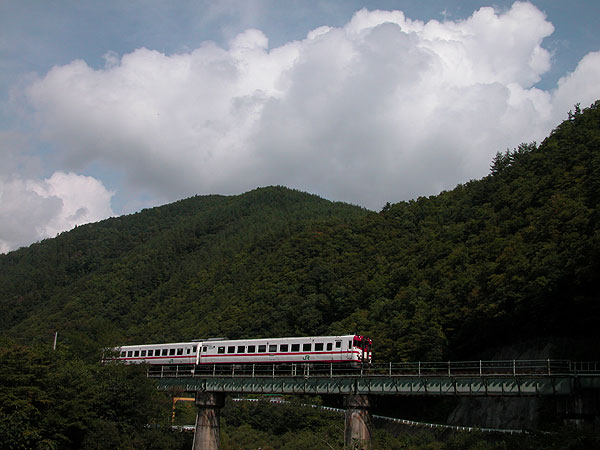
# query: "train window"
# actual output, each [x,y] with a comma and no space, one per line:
[165,351]
[329,346]
[295,347]
[187,351]
[283,348]
[171,352]
[150,352]
[179,351]
[123,354]
[143,353]
[338,344]
[319,347]
[204,348]
[241,349]
[137,353]
[231,349]
[272,348]
[251,348]
[306,347]
[349,344]
[262,349]
[221,350]
[129,353]
[194,349]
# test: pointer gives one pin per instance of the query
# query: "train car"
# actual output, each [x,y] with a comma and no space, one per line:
[312,349]
[177,353]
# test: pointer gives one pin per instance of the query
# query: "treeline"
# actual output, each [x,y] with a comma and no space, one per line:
[54,400]
[498,261]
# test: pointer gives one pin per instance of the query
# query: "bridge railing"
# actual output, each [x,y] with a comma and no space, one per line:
[498,368]
[585,367]
[474,368]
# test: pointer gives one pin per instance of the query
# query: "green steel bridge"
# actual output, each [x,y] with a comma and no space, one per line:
[464,378]
[578,382]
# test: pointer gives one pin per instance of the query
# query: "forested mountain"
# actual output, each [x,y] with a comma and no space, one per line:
[509,258]
[160,274]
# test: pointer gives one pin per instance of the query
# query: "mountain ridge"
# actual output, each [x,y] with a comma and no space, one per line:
[502,260]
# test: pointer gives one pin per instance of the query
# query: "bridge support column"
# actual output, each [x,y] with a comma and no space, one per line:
[581,410]
[208,420]
[358,428]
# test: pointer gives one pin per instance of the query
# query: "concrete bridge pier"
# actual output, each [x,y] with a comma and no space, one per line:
[207,435]
[581,410]
[359,427]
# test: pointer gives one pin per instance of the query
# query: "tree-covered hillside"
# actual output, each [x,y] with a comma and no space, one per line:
[505,259]
[152,275]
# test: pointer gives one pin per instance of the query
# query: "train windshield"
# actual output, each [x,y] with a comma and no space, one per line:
[362,342]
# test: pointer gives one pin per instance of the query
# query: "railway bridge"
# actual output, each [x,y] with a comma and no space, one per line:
[579,382]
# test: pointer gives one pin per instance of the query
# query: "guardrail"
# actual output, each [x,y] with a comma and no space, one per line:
[450,369]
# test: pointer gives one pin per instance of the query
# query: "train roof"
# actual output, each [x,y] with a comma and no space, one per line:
[225,340]
[344,336]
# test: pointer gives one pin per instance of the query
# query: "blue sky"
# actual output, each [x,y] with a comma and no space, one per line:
[108,107]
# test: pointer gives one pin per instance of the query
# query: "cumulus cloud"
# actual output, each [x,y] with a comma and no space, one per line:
[383,109]
[36,209]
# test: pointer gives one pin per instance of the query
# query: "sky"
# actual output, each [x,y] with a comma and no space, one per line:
[113,106]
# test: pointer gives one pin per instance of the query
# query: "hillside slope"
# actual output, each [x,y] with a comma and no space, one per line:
[510,258]
[513,256]
[141,276]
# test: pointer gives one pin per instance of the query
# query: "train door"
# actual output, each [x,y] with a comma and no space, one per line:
[198,355]
[368,350]
[338,348]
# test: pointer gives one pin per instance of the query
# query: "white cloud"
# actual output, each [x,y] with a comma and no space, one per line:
[581,86]
[383,109]
[36,209]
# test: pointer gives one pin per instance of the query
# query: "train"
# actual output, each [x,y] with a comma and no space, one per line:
[349,350]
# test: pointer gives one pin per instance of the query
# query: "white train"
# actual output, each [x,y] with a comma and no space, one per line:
[349,349]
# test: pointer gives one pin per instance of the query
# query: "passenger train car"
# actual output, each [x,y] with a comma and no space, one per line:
[349,349]
[179,353]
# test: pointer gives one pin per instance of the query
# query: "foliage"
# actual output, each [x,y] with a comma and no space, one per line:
[253,425]
[282,426]
[52,400]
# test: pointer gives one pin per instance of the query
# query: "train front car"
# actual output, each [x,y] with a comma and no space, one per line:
[362,349]
[281,354]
